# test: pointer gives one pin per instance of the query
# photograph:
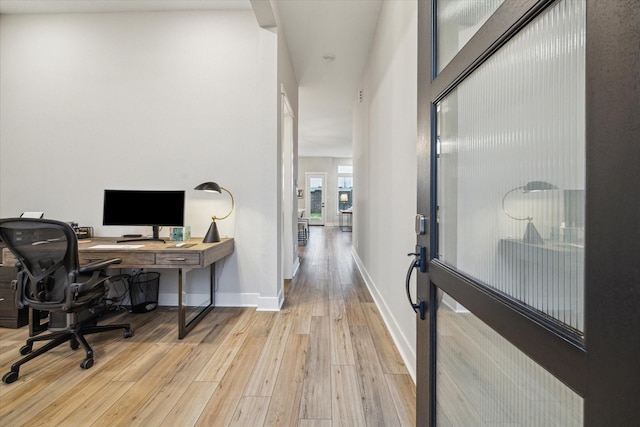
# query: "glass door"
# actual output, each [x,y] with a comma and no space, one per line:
[316,197]
[514,330]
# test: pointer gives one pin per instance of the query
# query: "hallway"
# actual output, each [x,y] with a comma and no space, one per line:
[325,359]
[369,382]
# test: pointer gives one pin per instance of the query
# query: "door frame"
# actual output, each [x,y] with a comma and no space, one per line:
[289,246]
[603,368]
[307,203]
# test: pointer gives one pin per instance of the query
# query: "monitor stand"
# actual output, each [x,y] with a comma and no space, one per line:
[155,238]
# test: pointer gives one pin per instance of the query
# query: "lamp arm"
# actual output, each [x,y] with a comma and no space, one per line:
[528,218]
[233,203]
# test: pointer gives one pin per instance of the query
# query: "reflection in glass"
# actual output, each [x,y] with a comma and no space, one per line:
[516,123]
[458,21]
[482,379]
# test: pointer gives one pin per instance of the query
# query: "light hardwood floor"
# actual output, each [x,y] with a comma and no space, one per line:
[325,359]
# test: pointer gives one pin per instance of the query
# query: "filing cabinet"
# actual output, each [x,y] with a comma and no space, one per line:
[10,315]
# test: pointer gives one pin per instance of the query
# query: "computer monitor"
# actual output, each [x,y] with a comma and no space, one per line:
[574,208]
[155,208]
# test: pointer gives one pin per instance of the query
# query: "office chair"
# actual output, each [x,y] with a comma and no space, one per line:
[50,279]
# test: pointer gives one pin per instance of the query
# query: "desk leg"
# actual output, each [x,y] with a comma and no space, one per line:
[183,326]
[35,319]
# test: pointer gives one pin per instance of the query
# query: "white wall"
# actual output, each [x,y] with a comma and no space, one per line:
[330,166]
[288,157]
[385,137]
[146,101]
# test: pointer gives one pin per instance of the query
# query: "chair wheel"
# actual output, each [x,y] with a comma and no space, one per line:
[128,334]
[74,344]
[86,363]
[25,349]
[9,377]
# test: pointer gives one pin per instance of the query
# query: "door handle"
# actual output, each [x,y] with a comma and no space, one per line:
[419,261]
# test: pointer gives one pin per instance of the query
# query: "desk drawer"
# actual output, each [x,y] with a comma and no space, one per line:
[128,258]
[10,315]
[8,307]
[178,258]
[8,258]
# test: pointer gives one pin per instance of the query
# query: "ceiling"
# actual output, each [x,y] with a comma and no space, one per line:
[99,6]
[339,29]
[328,88]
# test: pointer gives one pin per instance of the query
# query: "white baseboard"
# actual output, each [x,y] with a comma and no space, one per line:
[232,299]
[168,300]
[407,351]
[271,303]
[222,299]
[454,305]
[296,266]
[229,299]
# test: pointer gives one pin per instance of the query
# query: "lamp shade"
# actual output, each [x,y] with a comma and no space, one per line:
[344,197]
[533,186]
[212,187]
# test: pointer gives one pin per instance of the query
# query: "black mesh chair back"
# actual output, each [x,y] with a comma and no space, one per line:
[47,252]
[51,279]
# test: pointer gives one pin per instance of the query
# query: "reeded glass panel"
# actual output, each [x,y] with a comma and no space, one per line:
[511,167]
[458,21]
[483,380]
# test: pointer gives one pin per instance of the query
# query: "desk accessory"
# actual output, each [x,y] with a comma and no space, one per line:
[35,215]
[184,245]
[211,187]
[180,234]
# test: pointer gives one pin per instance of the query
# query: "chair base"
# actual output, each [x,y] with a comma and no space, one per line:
[75,335]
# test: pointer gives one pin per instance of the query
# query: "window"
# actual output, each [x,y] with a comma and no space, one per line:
[512,168]
[458,21]
[345,187]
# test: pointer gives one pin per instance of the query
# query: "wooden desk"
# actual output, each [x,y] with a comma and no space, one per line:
[548,277]
[158,255]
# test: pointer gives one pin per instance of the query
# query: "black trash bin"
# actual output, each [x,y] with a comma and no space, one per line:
[143,291]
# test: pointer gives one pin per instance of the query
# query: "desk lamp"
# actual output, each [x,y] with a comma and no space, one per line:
[344,198]
[531,235]
[211,187]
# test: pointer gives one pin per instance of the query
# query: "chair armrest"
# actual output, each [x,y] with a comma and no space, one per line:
[96,279]
[17,286]
[98,265]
